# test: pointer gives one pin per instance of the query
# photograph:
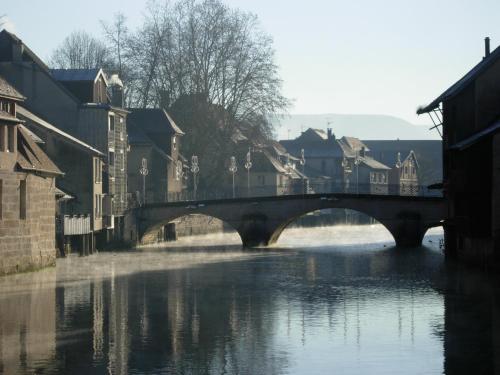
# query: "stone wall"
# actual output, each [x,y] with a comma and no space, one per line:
[27,244]
[193,225]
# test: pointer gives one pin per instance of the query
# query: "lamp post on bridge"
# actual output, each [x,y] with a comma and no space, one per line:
[357,162]
[144,172]
[195,168]
[233,168]
[302,162]
[248,165]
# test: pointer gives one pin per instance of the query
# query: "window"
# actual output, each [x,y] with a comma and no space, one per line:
[111,158]
[111,123]
[406,170]
[98,205]
[3,138]
[11,146]
[174,143]
[1,199]
[22,199]
[97,171]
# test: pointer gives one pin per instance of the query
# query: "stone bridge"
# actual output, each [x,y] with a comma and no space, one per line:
[259,221]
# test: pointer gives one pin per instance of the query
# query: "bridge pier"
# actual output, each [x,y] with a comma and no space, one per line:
[255,230]
[407,232]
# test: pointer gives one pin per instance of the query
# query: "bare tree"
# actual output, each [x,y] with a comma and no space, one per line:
[81,50]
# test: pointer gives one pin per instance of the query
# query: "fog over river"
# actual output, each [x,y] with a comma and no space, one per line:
[325,300]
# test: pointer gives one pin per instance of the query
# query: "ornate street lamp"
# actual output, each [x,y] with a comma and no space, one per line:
[144,172]
[195,168]
[233,168]
[248,165]
[302,162]
[347,170]
[179,171]
[357,162]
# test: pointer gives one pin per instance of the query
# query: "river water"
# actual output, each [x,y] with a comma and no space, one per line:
[333,300]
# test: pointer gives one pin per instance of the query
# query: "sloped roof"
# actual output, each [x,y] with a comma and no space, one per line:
[32,135]
[373,164]
[319,134]
[463,82]
[46,125]
[136,136]
[154,120]
[30,156]
[353,143]
[77,75]
[313,149]
[7,91]
[476,137]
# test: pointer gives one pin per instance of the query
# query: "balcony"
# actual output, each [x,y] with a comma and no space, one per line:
[70,225]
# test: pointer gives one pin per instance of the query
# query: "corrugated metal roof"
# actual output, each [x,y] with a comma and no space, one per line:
[40,122]
[463,82]
[6,90]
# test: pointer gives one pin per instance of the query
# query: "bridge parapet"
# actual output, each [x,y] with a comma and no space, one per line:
[260,221]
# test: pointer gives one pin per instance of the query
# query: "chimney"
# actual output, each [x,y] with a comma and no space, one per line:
[362,152]
[330,134]
[116,87]
[486,47]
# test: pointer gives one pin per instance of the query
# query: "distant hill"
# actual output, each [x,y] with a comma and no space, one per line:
[374,127]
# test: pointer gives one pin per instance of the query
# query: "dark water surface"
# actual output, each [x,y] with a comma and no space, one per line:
[317,304]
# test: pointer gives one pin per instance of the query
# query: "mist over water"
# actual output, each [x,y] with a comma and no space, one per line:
[323,300]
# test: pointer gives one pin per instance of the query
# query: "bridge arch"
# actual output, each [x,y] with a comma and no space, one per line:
[286,224]
[151,230]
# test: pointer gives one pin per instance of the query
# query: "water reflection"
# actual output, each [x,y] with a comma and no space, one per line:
[312,309]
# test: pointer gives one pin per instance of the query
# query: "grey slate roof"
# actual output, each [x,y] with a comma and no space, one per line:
[6,90]
[373,164]
[67,75]
[154,120]
[462,83]
[23,112]
[136,136]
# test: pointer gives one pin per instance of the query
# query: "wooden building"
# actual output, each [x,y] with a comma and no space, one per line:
[156,138]
[469,113]
[27,193]
[82,103]
[80,216]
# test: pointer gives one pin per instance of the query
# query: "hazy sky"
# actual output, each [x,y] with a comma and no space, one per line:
[368,57]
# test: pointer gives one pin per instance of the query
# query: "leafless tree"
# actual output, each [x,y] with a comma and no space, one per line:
[81,50]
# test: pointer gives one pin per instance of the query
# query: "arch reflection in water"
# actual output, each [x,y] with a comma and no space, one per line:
[323,310]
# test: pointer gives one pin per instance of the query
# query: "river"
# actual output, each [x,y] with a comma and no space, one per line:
[326,300]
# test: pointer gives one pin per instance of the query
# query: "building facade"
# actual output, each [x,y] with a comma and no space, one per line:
[469,113]
[27,193]
[80,214]
[155,138]
[83,103]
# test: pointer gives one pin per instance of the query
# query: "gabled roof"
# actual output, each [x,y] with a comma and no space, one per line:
[31,158]
[354,144]
[39,122]
[154,120]
[373,164]
[463,82]
[26,49]
[7,91]
[412,155]
[78,75]
[313,149]
[136,136]
[312,134]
